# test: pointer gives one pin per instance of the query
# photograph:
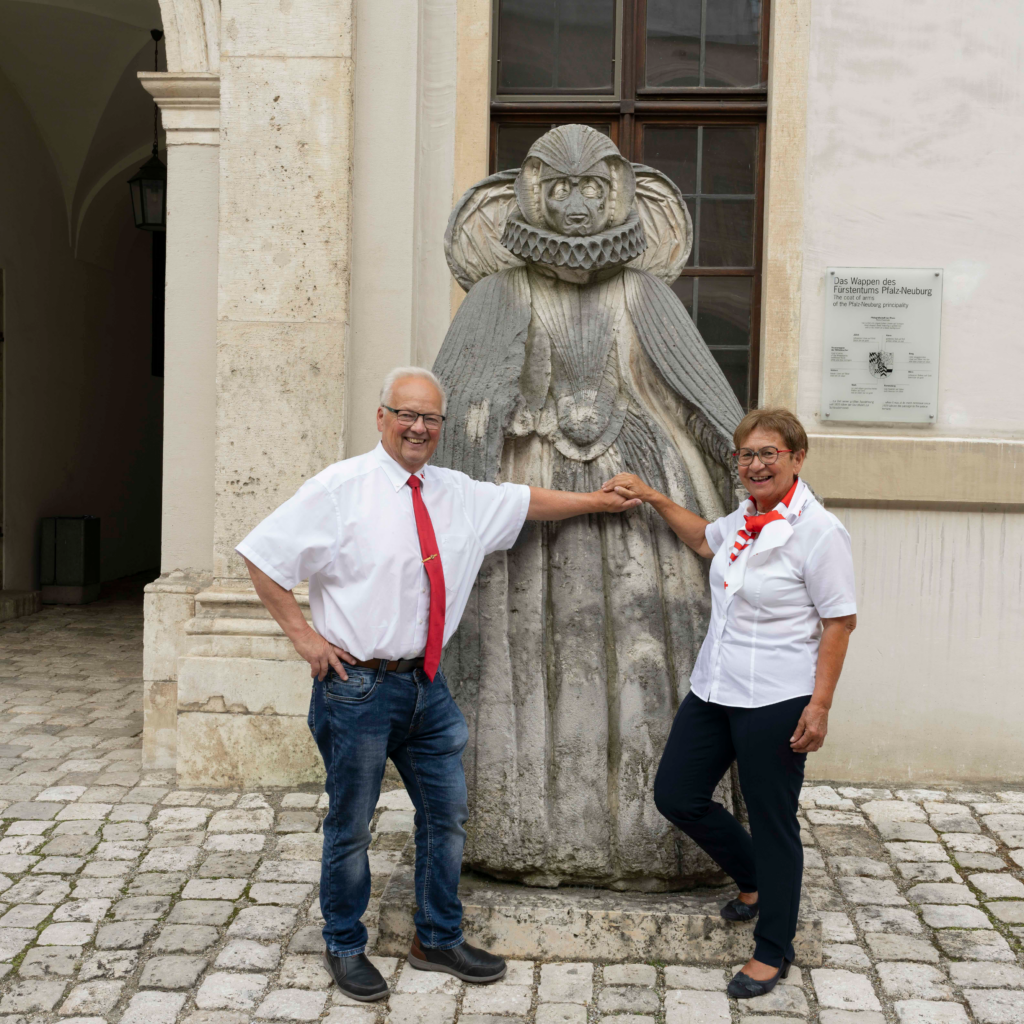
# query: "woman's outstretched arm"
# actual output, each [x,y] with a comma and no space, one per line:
[686,525]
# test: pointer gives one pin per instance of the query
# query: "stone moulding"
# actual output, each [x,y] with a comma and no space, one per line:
[189,103]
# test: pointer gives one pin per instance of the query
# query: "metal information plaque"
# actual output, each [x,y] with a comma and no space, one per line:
[881,360]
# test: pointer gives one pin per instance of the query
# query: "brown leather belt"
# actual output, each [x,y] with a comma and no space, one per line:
[406,665]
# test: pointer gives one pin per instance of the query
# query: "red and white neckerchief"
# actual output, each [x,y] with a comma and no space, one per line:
[773,527]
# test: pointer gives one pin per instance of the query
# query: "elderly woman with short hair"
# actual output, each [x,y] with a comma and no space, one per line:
[782,610]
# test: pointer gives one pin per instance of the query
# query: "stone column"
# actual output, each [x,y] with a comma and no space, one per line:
[190,108]
[283,308]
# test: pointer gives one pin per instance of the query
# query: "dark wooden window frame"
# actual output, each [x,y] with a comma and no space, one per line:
[637,106]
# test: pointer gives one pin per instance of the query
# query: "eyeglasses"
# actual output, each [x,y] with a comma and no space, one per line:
[407,417]
[766,456]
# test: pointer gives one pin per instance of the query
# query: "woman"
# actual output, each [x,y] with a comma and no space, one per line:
[782,610]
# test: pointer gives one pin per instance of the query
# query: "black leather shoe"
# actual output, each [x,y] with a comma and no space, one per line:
[737,910]
[356,976]
[743,986]
[464,961]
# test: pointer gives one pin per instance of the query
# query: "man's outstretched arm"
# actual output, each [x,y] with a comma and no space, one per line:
[549,505]
[281,603]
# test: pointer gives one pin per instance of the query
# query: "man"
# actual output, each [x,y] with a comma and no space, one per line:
[391,547]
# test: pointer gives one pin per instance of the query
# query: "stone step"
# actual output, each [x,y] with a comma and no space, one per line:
[522,922]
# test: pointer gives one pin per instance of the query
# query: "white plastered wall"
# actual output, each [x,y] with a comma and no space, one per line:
[914,140]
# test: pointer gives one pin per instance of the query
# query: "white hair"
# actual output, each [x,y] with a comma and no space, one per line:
[399,373]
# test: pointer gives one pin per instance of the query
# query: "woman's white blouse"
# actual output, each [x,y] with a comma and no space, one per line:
[762,645]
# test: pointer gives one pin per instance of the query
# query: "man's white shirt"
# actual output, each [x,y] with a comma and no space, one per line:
[351,531]
[762,644]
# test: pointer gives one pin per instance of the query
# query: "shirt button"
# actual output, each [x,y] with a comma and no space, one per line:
[419,622]
[424,590]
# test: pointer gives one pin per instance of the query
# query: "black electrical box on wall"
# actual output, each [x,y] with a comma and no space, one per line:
[69,559]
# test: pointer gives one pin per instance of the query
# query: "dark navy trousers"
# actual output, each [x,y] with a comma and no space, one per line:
[705,739]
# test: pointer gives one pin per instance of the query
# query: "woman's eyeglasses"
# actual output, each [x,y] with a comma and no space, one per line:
[766,456]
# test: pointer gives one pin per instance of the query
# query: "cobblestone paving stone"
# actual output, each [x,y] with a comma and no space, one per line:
[126,899]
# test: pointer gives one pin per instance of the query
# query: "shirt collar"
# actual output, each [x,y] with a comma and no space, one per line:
[398,476]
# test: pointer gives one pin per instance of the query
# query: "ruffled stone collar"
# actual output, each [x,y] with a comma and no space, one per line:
[578,252]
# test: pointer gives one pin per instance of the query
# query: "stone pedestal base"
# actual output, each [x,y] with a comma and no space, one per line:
[590,924]
[15,603]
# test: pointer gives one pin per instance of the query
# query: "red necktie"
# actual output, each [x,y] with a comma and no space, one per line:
[755,524]
[432,563]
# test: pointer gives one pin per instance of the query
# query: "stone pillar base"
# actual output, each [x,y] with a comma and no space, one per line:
[15,603]
[590,924]
[242,696]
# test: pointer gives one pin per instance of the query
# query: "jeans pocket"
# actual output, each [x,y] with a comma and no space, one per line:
[359,687]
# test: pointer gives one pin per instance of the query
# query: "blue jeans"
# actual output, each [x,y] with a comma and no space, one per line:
[358,725]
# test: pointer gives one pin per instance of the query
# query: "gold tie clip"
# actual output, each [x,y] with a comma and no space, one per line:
[428,558]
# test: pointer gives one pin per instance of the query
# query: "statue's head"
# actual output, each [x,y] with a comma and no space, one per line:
[575,194]
[575,182]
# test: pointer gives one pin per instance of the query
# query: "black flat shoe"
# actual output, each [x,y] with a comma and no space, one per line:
[464,961]
[737,910]
[743,986]
[356,977]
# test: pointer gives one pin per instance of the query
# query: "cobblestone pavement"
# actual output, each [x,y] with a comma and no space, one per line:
[127,899]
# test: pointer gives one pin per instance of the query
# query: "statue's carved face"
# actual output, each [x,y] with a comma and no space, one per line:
[574,205]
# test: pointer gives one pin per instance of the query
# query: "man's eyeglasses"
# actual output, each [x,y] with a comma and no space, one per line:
[766,456]
[407,417]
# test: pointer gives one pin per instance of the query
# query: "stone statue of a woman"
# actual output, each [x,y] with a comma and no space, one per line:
[569,361]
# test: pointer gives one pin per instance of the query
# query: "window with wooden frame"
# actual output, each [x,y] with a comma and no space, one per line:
[679,85]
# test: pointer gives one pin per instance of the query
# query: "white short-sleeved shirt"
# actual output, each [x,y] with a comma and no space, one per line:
[351,530]
[762,644]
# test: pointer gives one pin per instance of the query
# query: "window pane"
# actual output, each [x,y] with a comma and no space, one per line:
[586,45]
[723,319]
[556,46]
[726,233]
[683,287]
[526,46]
[732,36]
[728,161]
[673,43]
[515,140]
[674,152]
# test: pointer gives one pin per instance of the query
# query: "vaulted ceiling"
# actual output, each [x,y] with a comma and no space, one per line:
[73,64]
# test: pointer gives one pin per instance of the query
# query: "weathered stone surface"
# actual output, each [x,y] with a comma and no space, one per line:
[941,892]
[32,996]
[222,991]
[974,945]
[996,1007]
[928,872]
[880,892]
[913,981]
[592,784]
[185,938]
[936,916]
[292,1004]
[975,974]
[514,921]
[247,955]
[153,1008]
[888,919]
[843,990]
[92,997]
[686,1006]
[118,964]
[172,972]
[920,1011]
[262,923]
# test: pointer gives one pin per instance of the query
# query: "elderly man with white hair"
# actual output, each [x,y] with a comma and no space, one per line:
[391,547]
